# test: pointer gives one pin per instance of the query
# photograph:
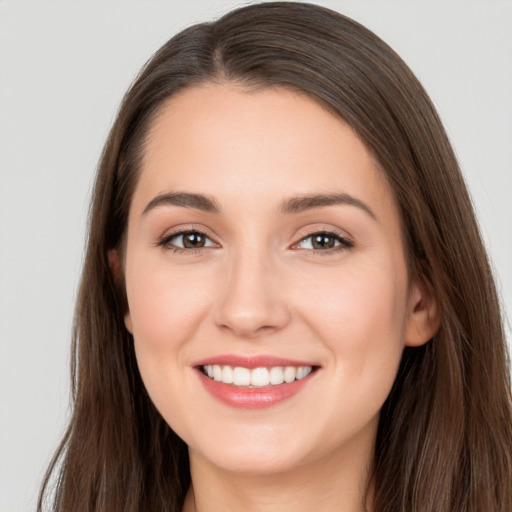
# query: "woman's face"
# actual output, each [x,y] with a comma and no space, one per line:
[261,239]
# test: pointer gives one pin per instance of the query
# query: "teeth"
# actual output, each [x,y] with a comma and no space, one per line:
[258,377]
[227,375]
[276,375]
[241,376]
[289,374]
[217,373]
[303,371]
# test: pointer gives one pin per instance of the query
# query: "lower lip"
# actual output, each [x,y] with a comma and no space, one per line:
[252,398]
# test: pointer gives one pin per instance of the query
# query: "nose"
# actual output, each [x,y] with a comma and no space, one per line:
[252,299]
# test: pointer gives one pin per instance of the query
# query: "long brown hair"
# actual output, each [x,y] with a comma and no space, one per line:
[444,442]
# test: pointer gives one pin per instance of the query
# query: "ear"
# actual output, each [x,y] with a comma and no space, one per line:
[128,322]
[114,263]
[116,269]
[423,318]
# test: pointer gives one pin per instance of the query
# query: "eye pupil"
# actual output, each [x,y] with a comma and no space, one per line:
[323,241]
[191,240]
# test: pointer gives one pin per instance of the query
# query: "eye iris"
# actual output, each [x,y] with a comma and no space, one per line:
[192,240]
[323,242]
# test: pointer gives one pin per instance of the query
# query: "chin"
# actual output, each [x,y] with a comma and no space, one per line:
[258,455]
[252,463]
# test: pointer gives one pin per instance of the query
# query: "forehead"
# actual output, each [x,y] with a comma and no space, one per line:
[246,146]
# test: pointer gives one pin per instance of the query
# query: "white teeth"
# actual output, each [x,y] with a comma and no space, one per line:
[258,377]
[241,376]
[303,371]
[227,375]
[217,372]
[290,372]
[276,375]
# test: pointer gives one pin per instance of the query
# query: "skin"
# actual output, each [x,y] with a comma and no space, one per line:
[259,287]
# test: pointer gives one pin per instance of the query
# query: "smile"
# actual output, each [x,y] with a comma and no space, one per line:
[254,382]
[257,377]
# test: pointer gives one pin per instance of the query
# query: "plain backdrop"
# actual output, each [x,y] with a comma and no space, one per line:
[64,67]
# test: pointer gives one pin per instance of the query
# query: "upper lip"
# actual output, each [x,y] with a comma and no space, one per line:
[251,361]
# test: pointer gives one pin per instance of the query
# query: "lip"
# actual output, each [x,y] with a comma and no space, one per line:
[252,398]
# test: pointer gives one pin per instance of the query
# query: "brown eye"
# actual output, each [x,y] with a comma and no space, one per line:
[184,240]
[324,241]
[193,240]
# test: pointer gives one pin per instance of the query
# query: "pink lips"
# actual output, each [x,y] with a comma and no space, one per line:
[251,398]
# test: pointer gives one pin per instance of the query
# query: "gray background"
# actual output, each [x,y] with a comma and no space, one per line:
[63,69]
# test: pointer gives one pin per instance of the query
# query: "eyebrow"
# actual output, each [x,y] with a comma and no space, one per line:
[185,200]
[309,202]
[289,206]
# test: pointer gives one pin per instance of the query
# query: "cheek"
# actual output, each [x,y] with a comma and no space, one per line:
[364,300]
[360,316]
[360,319]
[165,309]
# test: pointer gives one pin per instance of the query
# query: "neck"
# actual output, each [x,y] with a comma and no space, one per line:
[333,483]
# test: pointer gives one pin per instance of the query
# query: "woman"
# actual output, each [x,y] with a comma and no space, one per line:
[285,300]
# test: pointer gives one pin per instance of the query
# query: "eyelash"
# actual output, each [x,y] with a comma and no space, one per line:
[165,241]
[344,243]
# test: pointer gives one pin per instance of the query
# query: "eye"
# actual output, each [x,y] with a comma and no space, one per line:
[324,241]
[186,240]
